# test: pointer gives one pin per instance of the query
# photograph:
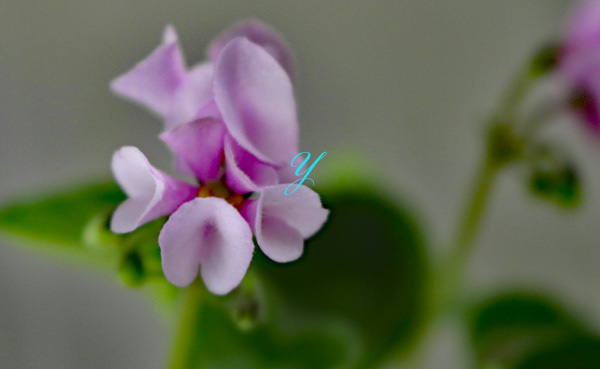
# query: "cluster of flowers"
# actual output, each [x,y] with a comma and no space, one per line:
[231,122]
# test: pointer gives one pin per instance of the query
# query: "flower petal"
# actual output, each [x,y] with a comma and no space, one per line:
[281,222]
[255,97]
[194,92]
[154,81]
[279,241]
[583,24]
[169,34]
[207,234]
[151,193]
[579,56]
[287,174]
[198,147]
[260,34]
[302,209]
[209,110]
[243,172]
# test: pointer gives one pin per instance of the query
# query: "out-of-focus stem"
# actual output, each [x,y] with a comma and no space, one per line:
[447,278]
[450,275]
[183,351]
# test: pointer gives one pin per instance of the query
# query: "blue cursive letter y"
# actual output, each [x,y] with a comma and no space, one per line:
[307,171]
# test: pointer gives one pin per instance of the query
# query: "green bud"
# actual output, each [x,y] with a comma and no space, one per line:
[246,312]
[560,186]
[131,269]
[545,60]
[96,234]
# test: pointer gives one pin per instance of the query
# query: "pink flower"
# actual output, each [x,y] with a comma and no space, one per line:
[210,226]
[240,104]
[579,61]
[231,123]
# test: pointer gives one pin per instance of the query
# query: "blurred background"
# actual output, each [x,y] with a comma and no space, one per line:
[407,84]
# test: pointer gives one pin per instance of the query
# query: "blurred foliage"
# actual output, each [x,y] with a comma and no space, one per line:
[577,353]
[61,221]
[545,60]
[218,342]
[560,186]
[553,175]
[526,331]
[503,145]
[366,268]
[74,224]
[355,294]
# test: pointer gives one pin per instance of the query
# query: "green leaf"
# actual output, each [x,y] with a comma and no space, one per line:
[366,268]
[578,353]
[211,339]
[64,221]
[509,329]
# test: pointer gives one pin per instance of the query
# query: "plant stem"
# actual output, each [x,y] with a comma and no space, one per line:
[183,351]
[500,150]
[446,280]
[472,217]
[515,96]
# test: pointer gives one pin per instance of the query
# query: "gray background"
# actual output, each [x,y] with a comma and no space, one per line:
[405,83]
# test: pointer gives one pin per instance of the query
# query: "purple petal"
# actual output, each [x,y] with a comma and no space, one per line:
[280,220]
[209,110]
[154,81]
[278,240]
[151,193]
[255,97]
[169,34]
[286,174]
[302,209]
[584,25]
[587,106]
[194,92]
[198,147]
[259,34]
[243,172]
[580,57]
[207,234]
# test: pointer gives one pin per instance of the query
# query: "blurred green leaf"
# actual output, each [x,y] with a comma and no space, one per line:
[217,342]
[365,268]
[578,353]
[60,217]
[512,328]
[64,221]
[131,269]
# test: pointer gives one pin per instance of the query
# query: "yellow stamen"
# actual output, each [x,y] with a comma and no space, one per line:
[237,200]
[204,191]
[219,189]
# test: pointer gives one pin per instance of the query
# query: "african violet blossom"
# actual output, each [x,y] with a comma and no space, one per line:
[580,61]
[243,132]
[218,105]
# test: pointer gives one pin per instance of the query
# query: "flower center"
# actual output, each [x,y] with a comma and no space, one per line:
[219,189]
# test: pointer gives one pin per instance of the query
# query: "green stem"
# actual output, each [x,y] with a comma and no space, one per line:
[515,97]
[473,214]
[446,279]
[501,149]
[183,352]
